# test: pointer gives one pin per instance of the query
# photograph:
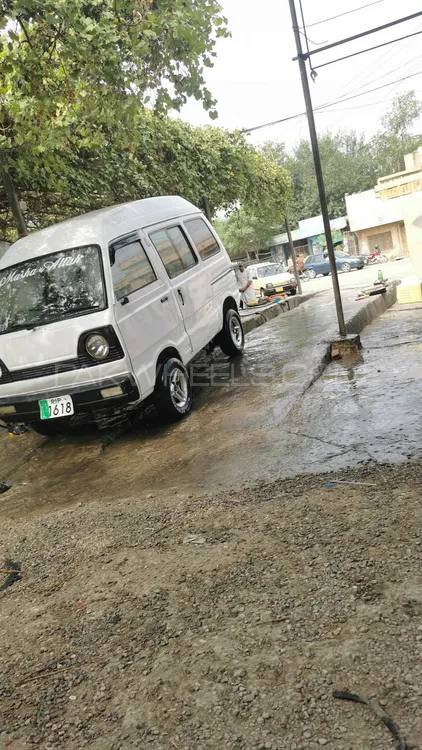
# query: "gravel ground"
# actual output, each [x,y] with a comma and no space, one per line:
[218,622]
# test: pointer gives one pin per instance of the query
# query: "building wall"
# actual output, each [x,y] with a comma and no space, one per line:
[387,236]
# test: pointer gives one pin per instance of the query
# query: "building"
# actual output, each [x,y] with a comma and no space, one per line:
[310,237]
[377,216]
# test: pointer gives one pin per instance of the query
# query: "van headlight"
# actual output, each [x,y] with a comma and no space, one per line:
[97,346]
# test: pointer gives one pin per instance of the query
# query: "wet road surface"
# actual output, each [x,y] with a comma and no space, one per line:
[250,422]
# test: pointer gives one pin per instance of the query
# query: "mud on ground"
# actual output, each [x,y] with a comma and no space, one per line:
[218,622]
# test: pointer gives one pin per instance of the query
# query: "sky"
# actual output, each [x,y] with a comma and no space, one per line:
[255,80]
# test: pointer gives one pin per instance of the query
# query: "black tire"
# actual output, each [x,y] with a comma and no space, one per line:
[173,390]
[311,273]
[293,292]
[231,339]
[345,267]
[326,274]
[51,428]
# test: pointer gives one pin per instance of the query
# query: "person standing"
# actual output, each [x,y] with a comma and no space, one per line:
[245,282]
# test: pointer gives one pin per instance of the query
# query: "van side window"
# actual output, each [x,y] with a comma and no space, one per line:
[174,251]
[131,269]
[202,237]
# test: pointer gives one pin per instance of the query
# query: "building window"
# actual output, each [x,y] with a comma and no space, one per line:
[174,251]
[203,239]
[384,241]
[131,269]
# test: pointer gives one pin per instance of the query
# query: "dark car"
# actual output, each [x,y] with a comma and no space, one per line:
[315,264]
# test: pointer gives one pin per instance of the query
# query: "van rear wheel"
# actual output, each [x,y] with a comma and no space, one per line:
[173,390]
[231,339]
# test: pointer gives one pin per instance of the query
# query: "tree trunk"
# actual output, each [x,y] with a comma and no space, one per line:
[13,202]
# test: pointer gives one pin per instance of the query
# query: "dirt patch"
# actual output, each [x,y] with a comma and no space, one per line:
[218,622]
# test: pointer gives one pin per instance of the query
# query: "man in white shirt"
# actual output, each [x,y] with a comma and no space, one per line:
[245,282]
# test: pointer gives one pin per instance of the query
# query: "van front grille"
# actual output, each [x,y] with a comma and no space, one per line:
[42,371]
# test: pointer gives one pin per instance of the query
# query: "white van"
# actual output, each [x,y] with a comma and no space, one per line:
[103,311]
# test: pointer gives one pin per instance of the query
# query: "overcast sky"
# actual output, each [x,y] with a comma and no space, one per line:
[255,80]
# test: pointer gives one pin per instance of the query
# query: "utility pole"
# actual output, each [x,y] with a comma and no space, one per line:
[318,168]
[293,253]
[13,202]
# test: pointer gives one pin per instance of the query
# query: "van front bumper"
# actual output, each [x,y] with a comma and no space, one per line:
[87,399]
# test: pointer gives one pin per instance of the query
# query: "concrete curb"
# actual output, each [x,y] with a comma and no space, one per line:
[372,309]
[252,319]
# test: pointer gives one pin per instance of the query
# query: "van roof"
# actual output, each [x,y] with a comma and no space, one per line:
[97,227]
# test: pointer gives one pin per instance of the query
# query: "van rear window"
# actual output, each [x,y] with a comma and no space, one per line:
[202,237]
[51,287]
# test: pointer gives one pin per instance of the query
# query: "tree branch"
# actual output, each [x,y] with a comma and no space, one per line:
[23,27]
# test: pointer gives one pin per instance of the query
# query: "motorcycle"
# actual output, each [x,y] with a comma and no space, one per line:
[376,257]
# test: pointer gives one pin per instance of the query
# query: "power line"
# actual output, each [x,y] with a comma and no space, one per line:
[364,77]
[340,15]
[325,106]
[371,91]
[353,38]
[369,49]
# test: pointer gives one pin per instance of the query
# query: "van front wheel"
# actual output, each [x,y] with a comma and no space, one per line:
[231,339]
[173,390]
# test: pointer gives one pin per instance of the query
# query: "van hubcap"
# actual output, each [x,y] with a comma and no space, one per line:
[179,390]
[236,331]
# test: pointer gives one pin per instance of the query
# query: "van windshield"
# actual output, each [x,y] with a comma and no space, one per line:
[50,288]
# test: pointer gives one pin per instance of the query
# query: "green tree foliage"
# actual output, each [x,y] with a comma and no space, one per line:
[171,157]
[76,73]
[244,231]
[396,138]
[350,163]
[75,133]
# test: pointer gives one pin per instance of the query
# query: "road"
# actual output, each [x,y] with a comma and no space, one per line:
[395,270]
[250,422]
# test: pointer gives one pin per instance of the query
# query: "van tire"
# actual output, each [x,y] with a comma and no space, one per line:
[173,390]
[231,339]
[51,428]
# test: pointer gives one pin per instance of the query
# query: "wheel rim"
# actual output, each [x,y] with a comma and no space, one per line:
[179,390]
[345,267]
[311,273]
[236,331]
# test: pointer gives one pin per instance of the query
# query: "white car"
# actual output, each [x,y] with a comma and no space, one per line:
[271,278]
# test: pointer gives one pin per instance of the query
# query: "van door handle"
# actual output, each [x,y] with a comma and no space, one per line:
[164,299]
[181,296]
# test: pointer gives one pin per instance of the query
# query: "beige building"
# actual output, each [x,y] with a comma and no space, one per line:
[377,216]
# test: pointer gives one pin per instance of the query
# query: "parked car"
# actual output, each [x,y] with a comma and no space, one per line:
[270,278]
[320,264]
[104,311]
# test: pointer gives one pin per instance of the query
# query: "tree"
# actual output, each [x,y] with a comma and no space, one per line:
[171,157]
[244,232]
[347,166]
[396,139]
[73,70]
[350,163]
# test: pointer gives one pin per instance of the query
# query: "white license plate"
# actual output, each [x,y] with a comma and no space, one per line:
[52,408]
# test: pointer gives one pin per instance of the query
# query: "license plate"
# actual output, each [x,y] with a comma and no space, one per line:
[52,408]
